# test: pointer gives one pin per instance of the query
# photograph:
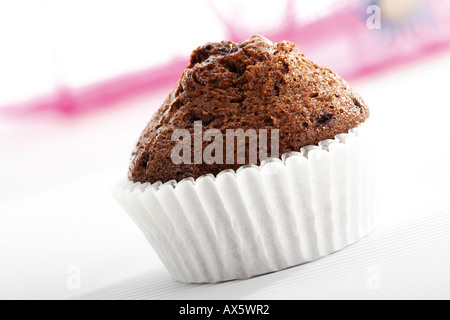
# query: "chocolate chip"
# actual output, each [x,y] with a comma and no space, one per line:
[144,160]
[269,121]
[212,49]
[195,118]
[324,118]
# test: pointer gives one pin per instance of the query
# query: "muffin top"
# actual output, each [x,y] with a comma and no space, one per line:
[254,84]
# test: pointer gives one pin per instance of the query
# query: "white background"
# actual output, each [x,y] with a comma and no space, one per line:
[56,210]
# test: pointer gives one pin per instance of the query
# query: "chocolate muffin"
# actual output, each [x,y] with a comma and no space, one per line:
[212,224]
[254,84]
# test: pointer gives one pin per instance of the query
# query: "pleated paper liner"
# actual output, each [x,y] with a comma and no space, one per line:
[259,219]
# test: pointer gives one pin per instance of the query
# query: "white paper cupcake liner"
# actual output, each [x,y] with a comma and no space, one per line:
[259,219]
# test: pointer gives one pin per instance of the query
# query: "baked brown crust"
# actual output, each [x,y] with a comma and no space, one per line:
[253,84]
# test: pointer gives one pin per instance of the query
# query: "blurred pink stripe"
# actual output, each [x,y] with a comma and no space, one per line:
[73,100]
[340,41]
